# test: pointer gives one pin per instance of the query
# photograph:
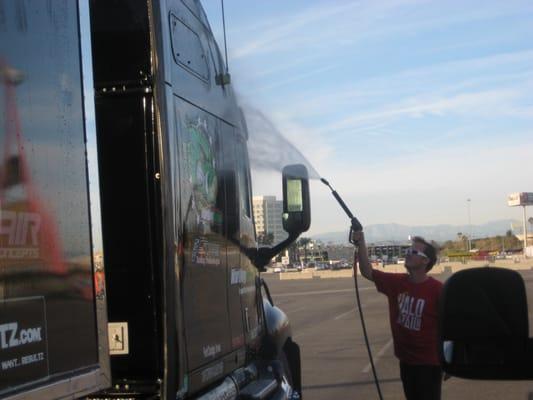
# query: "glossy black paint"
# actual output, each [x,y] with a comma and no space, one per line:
[129,190]
[177,227]
[484,325]
[205,165]
[176,197]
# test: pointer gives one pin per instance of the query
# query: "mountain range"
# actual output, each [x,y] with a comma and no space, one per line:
[383,233]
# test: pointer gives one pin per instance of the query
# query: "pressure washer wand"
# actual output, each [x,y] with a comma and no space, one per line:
[339,199]
[356,227]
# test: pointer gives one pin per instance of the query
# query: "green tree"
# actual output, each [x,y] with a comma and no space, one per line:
[491,244]
[304,242]
[294,254]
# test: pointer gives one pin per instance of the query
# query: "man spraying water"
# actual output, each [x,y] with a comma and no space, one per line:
[413,306]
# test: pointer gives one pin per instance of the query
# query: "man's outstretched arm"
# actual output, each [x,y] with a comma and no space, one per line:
[362,259]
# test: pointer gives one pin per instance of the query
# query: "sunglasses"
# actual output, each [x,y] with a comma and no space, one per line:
[411,251]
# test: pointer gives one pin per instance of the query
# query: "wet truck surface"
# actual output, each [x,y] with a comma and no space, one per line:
[129,266]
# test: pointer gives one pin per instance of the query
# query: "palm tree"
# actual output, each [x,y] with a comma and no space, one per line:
[303,242]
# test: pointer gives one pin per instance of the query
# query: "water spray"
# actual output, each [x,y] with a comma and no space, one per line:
[356,227]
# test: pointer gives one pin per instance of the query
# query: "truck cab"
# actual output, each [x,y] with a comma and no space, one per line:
[127,149]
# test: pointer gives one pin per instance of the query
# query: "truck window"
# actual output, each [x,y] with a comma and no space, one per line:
[188,49]
[243,180]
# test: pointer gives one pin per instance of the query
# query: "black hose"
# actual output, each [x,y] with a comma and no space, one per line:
[361,317]
[356,227]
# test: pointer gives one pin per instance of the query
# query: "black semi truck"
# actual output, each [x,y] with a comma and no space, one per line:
[129,266]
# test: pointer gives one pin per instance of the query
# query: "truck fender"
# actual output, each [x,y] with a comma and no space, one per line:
[278,329]
[278,343]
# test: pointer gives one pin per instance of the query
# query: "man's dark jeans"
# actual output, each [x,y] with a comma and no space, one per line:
[421,382]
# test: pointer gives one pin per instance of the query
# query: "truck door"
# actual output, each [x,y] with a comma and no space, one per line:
[249,291]
[204,273]
[243,290]
[236,275]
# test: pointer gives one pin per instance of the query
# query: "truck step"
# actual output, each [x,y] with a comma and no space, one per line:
[259,389]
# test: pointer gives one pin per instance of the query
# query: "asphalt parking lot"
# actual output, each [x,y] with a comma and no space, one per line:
[335,364]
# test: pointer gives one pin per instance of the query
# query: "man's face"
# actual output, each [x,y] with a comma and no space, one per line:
[415,258]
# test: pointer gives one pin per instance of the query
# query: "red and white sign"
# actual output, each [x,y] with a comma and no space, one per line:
[520,199]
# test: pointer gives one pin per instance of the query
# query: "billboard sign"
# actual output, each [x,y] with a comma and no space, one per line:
[520,199]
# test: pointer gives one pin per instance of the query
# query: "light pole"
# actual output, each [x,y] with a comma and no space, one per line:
[525,231]
[530,220]
[469,225]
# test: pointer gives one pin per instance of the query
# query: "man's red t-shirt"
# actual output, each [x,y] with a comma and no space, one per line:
[413,311]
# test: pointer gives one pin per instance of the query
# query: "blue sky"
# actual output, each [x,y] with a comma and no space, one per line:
[407,107]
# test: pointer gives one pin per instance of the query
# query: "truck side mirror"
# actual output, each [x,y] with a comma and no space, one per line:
[483,324]
[296,203]
[296,213]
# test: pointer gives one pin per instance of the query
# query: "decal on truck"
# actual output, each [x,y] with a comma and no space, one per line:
[21,228]
[247,290]
[23,341]
[210,351]
[238,276]
[20,232]
[199,150]
[11,336]
[28,232]
[204,252]
[117,333]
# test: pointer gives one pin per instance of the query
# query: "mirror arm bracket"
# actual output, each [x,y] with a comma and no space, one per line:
[263,255]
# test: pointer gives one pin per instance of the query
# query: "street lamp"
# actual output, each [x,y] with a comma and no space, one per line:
[530,220]
[469,225]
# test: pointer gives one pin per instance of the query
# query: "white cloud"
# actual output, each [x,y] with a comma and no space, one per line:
[429,187]
[274,31]
[434,80]
[296,78]
[318,26]
[488,103]
[333,25]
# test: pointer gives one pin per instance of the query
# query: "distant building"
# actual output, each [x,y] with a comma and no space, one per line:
[340,252]
[387,252]
[267,215]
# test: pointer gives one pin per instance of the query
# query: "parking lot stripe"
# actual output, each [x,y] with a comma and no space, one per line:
[351,311]
[318,292]
[377,357]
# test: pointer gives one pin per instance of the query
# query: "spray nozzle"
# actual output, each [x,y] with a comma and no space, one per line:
[325,182]
[339,199]
[356,225]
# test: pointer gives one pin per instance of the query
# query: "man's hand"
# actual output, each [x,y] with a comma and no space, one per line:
[357,237]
